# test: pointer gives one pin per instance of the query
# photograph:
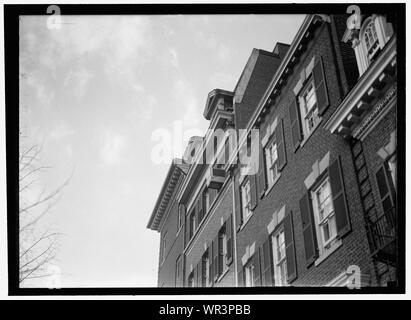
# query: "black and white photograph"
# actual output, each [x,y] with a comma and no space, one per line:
[202,149]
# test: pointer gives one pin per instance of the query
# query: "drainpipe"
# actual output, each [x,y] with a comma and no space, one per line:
[234,231]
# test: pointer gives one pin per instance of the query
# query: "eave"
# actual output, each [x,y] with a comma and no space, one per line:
[290,60]
[369,88]
[177,168]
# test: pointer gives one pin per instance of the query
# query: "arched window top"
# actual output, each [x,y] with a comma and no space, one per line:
[369,38]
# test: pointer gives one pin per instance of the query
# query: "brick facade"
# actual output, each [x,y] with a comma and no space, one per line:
[271,85]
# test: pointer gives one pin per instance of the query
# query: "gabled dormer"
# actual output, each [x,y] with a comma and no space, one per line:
[368,35]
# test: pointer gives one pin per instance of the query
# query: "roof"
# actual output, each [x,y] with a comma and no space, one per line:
[177,168]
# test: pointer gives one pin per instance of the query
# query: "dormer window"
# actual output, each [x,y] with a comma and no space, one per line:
[371,40]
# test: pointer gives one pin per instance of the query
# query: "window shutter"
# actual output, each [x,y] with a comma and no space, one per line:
[210,259]
[203,270]
[279,136]
[340,204]
[229,230]
[308,226]
[195,276]
[215,258]
[241,277]
[267,263]
[289,247]
[261,174]
[220,253]
[295,123]
[237,199]
[384,189]
[320,86]
[253,190]
[199,274]
[187,228]
[181,214]
[257,271]
[200,210]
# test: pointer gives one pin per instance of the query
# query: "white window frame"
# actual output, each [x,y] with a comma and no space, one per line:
[383,30]
[163,247]
[249,273]
[178,267]
[280,265]
[225,260]
[246,205]
[207,268]
[392,168]
[191,283]
[271,163]
[370,32]
[193,223]
[321,221]
[312,111]
[180,218]
[207,203]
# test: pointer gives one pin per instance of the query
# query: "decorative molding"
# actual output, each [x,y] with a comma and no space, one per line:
[375,112]
[389,149]
[318,169]
[277,218]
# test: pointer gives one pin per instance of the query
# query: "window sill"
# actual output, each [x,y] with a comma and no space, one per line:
[304,141]
[223,274]
[328,252]
[272,185]
[246,220]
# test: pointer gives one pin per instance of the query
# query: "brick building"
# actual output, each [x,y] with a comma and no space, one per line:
[313,204]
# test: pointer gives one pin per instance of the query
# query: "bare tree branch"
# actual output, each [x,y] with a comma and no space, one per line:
[38,245]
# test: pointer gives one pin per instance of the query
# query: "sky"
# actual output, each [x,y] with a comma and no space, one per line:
[97,92]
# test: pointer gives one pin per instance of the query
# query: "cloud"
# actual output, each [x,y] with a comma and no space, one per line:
[223,80]
[60,131]
[112,148]
[173,57]
[189,107]
[77,81]
[119,43]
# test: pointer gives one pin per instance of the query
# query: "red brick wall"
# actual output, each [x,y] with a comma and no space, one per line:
[174,245]
[261,76]
[290,188]
[222,208]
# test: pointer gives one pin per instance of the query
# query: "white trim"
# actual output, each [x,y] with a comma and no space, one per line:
[389,149]
[318,169]
[342,280]
[277,218]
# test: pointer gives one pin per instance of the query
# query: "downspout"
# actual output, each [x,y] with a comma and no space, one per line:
[234,232]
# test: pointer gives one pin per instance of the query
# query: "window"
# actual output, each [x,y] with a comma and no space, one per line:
[163,247]
[222,249]
[207,201]
[193,223]
[246,199]
[178,270]
[180,216]
[309,109]
[280,262]
[249,273]
[226,151]
[271,160]
[392,167]
[324,214]
[205,270]
[371,40]
[191,283]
